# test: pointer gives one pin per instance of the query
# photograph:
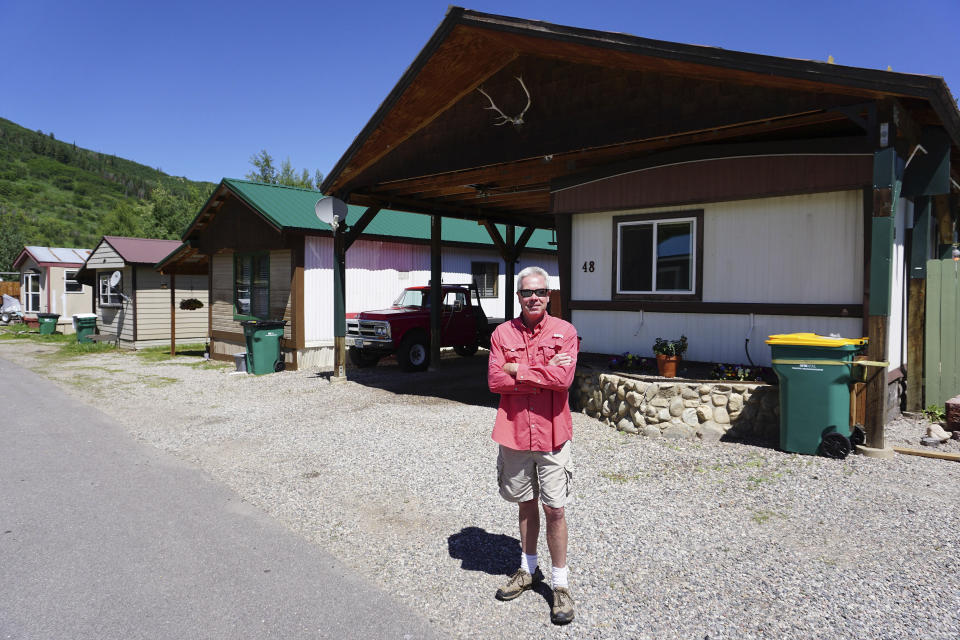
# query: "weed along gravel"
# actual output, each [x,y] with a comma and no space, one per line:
[394,474]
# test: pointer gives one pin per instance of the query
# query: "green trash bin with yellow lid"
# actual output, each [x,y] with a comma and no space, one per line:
[815,374]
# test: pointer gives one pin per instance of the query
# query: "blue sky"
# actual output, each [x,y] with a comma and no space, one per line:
[196,88]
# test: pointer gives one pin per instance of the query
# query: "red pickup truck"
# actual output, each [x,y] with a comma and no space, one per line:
[404,328]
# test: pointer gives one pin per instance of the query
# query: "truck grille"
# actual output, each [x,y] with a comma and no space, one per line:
[367,329]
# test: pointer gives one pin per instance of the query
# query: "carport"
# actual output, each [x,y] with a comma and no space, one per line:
[505,120]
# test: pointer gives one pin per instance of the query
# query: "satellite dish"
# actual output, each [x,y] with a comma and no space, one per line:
[114,279]
[331,210]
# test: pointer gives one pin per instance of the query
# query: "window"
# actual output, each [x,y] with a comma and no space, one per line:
[31,292]
[486,274]
[109,296]
[70,284]
[658,255]
[451,299]
[251,285]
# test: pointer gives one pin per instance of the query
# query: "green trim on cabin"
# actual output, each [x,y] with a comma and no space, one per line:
[239,255]
[293,208]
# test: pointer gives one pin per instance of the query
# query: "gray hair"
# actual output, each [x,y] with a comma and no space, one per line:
[533,271]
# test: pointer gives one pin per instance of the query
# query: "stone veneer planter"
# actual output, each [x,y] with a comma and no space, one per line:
[678,408]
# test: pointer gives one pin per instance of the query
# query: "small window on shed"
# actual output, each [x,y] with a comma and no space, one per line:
[486,275]
[70,284]
[251,292]
[109,296]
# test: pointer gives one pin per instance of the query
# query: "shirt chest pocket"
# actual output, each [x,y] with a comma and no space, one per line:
[549,348]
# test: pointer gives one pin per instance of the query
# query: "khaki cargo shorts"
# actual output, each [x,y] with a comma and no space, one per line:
[527,475]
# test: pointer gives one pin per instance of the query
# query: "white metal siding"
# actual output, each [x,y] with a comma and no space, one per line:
[712,337]
[897,326]
[796,249]
[377,271]
[804,249]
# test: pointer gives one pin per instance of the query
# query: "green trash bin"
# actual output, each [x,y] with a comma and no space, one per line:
[48,322]
[263,345]
[85,325]
[815,375]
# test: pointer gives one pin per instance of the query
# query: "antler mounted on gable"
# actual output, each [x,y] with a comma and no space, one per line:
[504,118]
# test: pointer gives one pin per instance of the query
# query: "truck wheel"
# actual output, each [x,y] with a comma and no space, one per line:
[414,353]
[5,318]
[363,359]
[466,350]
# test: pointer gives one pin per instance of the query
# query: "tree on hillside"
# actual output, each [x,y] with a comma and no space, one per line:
[287,175]
[12,238]
[126,219]
[265,171]
[170,214]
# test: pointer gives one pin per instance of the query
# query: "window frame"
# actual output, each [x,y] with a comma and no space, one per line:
[67,280]
[695,216]
[103,278]
[239,255]
[496,277]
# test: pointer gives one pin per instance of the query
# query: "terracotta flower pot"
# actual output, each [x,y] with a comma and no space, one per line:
[667,365]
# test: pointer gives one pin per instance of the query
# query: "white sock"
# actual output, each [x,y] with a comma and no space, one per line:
[528,562]
[559,577]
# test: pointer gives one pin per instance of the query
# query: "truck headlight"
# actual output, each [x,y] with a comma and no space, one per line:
[380,331]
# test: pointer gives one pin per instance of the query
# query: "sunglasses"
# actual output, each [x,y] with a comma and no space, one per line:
[540,293]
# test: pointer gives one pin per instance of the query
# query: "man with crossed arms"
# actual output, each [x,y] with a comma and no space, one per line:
[532,362]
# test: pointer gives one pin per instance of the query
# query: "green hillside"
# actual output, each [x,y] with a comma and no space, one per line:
[54,193]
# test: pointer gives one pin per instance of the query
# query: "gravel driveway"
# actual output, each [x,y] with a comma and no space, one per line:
[394,473]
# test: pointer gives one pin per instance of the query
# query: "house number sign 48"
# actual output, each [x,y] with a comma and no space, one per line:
[588,266]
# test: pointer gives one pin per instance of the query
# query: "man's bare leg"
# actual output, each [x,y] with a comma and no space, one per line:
[556,535]
[530,527]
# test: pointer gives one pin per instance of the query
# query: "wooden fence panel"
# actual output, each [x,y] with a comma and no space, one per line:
[942,351]
[948,331]
[11,288]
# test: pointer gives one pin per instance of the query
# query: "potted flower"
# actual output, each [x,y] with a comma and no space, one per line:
[668,354]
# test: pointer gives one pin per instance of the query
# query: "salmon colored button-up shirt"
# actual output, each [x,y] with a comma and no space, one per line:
[534,414]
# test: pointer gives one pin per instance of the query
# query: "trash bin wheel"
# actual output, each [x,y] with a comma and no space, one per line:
[835,445]
[857,435]
[279,365]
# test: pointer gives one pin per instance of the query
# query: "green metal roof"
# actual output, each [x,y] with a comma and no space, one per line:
[292,207]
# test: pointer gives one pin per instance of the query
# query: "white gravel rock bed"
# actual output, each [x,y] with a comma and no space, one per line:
[668,539]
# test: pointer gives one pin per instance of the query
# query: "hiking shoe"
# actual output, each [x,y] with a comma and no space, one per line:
[519,582]
[562,610]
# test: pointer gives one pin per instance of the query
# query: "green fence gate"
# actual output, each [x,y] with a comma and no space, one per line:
[942,341]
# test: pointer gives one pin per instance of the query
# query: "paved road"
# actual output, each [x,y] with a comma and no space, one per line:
[103,537]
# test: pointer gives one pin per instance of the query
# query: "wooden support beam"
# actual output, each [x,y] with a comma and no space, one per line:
[564,260]
[209,299]
[918,250]
[539,221]
[361,224]
[916,320]
[523,240]
[436,289]
[173,314]
[498,241]
[298,311]
[510,269]
[885,186]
